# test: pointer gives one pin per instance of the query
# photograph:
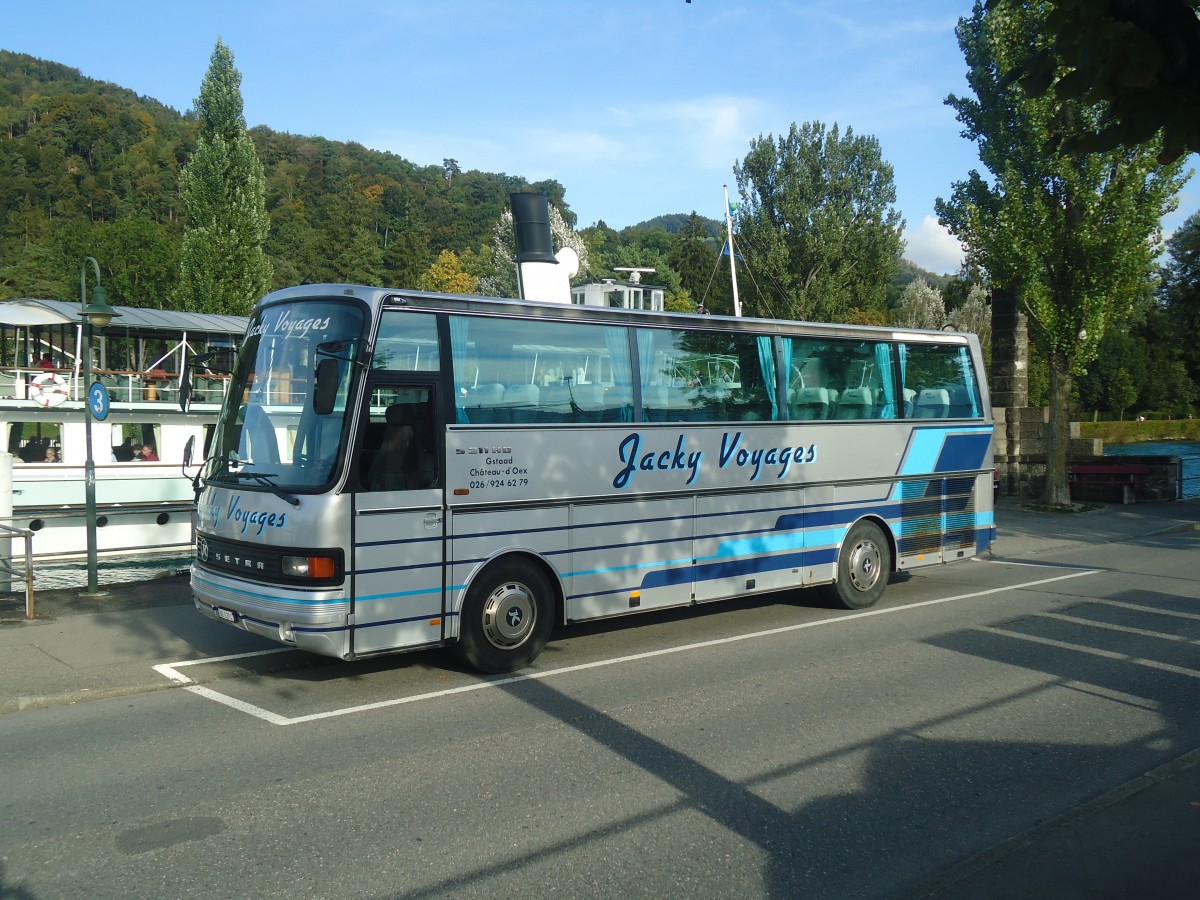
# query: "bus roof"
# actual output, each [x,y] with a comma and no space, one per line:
[497,306]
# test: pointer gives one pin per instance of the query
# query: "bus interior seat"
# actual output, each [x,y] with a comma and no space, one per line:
[554,404]
[521,401]
[808,403]
[910,397]
[614,405]
[961,403]
[654,402]
[387,470]
[588,402]
[856,403]
[932,403]
[482,401]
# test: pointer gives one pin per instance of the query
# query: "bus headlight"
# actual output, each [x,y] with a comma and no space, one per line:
[317,567]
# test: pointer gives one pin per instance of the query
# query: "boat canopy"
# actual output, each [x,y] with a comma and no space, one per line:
[24,312]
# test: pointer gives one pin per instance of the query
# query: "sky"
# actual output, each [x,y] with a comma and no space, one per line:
[638,108]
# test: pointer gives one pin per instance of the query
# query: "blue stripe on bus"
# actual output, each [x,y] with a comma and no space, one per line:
[928,444]
[738,567]
[389,596]
[272,597]
[962,452]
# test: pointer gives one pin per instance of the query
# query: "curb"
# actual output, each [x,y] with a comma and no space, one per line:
[973,865]
[67,698]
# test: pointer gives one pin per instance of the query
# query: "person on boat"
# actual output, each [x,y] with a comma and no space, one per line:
[52,455]
[148,454]
[47,362]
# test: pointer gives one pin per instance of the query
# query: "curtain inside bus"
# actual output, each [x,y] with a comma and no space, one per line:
[458,354]
[883,359]
[766,363]
[968,372]
[617,341]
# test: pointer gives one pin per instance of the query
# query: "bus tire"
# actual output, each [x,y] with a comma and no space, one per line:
[507,617]
[863,567]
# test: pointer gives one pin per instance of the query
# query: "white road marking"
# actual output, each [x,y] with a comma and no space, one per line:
[171,670]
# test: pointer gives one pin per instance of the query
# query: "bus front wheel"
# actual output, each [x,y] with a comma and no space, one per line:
[507,618]
[863,567]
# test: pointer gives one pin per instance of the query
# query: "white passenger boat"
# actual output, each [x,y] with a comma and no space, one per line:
[144,501]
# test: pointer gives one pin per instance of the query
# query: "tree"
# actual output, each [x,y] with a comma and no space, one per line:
[447,275]
[693,257]
[223,267]
[975,316]
[817,224]
[1139,57]
[450,169]
[1074,237]
[921,306]
[1180,293]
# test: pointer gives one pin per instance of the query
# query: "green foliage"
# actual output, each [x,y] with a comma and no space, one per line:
[79,155]
[818,229]
[1141,59]
[693,256]
[676,223]
[223,268]
[1073,236]
[1180,295]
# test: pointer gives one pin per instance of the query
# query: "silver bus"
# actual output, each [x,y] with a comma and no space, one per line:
[395,470]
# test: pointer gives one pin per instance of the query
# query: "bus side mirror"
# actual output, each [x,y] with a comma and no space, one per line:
[325,390]
[185,389]
[188,449]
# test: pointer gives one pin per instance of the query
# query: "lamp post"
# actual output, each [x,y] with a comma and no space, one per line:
[96,314]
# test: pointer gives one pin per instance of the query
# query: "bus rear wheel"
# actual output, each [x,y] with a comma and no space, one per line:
[507,618]
[863,567]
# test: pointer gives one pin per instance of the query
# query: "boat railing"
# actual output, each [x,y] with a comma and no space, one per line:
[154,386]
[8,566]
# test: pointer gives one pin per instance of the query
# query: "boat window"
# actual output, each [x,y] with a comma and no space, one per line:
[34,442]
[135,442]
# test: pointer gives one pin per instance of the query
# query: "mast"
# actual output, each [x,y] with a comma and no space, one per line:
[737,305]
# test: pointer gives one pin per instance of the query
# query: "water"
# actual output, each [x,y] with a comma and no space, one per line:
[1188,450]
[54,576]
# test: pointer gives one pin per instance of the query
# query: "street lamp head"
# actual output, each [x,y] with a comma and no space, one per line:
[98,312]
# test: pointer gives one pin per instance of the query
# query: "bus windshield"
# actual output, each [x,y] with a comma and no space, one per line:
[284,417]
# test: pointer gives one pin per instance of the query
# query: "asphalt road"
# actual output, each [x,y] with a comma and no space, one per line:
[780,749]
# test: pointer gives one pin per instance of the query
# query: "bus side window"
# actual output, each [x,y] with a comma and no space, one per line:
[399,451]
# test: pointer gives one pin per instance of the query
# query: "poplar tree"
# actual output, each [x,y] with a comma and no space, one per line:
[817,221]
[223,268]
[1073,235]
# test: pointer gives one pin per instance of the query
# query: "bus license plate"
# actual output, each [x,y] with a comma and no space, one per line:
[227,614]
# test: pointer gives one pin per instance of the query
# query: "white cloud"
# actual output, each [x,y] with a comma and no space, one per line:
[933,248]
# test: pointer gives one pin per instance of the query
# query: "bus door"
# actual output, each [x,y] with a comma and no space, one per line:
[399,517]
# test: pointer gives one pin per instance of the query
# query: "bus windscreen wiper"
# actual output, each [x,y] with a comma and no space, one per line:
[264,478]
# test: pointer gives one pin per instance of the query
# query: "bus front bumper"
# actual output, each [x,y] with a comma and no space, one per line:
[315,621]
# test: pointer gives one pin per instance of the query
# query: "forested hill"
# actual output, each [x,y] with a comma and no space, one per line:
[88,168]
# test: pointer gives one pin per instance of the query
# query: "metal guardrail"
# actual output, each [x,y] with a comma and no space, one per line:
[8,570]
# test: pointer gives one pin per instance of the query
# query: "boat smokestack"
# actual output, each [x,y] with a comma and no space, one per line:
[541,275]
